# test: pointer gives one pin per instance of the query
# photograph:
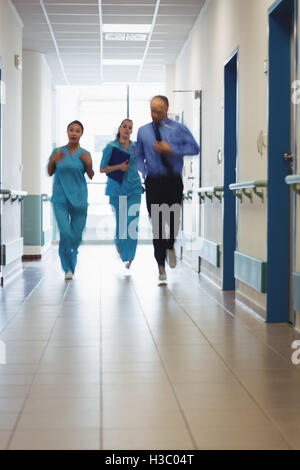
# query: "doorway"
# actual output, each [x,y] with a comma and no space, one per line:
[230,169]
[101,109]
[1,208]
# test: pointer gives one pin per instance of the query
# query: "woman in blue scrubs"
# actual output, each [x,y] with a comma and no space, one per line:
[69,196]
[125,196]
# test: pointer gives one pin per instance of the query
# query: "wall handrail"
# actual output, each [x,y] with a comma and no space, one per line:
[293,180]
[243,188]
[210,192]
[46,197]
[12,194]
[188,195]
[6,193]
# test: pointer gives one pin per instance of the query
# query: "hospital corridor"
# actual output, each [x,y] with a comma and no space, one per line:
[149,226]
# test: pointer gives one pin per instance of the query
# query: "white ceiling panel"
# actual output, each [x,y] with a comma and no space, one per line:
[74,28]
[74,19]
[80,9]
[78,42]
[187,3]
[129,2]
[80,36]
[128,10]
[179,10]
[69,33]
[137,19]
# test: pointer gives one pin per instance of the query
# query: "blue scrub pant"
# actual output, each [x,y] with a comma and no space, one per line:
[71,223]
[127,212]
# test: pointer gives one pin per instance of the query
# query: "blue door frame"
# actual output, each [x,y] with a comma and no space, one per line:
[279,134]
[230,165]
[1,279]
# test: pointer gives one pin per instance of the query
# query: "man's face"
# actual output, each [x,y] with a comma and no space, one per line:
[159,110]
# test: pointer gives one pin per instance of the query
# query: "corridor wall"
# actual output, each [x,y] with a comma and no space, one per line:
[222,27]
[36,148]
[11,110]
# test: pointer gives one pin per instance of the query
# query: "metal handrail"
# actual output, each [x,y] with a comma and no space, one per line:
[12,194]
[6,193]
[240,189]
[188,195]
[210,192]
[46,197]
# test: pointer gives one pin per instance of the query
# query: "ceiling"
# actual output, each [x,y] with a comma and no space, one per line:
[70,34]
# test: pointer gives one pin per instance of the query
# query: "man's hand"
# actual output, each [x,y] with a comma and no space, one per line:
[162,147]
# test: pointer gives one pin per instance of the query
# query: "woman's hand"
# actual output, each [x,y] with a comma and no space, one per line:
[86,159]
[124,166]
[110,168]
[58,156]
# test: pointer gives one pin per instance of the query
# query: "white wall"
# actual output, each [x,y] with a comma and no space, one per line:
[37,122]
[170,86]
[11,44]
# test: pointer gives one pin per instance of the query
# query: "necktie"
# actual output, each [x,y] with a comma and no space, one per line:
[163,157]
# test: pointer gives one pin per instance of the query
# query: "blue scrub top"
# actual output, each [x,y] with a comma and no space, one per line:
[131,184]
[69,183]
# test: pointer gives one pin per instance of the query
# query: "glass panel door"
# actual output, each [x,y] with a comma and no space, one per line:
[101,110]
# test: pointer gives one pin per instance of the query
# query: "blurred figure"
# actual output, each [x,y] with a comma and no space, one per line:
[161,146]
[124,190]
[69,196]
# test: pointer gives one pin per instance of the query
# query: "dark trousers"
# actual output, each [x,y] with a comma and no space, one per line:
[164,199]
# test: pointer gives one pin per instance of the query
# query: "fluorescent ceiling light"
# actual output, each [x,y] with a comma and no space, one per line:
[125,37]
[126,28]
[122,62]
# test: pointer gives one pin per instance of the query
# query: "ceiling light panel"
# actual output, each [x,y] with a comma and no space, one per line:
[126,28]
[125,37]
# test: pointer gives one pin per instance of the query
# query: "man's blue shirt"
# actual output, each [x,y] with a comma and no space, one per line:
[179,138]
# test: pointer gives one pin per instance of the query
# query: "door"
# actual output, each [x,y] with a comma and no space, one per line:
[1,101]
[102,109]
[230,170]
[191,182]
[280,160]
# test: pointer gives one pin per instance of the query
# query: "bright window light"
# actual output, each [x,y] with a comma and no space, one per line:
[122,62]
[126,28]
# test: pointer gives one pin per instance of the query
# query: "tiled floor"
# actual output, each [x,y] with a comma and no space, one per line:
[117,361]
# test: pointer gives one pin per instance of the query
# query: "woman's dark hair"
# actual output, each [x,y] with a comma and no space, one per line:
[75,122]
[127,119]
